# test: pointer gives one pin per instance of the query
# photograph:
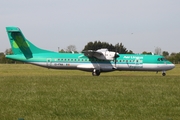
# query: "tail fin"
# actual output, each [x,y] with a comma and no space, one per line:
[20,45]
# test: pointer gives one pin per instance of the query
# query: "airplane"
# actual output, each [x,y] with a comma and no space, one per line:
[96,62]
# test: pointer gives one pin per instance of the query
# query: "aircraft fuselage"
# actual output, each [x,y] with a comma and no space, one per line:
[129,62]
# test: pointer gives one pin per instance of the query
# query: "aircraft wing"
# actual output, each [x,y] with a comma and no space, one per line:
[102,54]
[91,53]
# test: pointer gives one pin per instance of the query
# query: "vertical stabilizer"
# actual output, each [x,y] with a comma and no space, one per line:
[20,45]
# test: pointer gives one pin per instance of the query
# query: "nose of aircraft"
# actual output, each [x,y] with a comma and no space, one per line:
[171,66]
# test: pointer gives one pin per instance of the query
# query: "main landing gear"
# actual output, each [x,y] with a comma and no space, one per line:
[96,72]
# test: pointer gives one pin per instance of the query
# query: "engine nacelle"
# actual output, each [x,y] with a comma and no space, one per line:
[106,55]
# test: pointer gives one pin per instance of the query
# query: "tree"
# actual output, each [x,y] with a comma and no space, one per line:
[130,52]
[148,53]
[119,47]
[165,53]
[8,51]
[62,51]
[2,58]
[173,54]
[158,51]
[177,58]
[97,45]
[71,48]
[174,58]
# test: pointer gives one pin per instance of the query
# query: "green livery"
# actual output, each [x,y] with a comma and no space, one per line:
[93,61]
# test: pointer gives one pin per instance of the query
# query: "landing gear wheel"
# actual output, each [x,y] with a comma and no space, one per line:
[163,74]
[93,73]
[96,72]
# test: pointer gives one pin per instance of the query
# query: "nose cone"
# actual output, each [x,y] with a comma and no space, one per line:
[172,66]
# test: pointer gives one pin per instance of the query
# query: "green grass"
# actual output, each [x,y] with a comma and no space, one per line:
[36,93]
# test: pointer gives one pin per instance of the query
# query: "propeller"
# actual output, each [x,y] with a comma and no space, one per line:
[116,55]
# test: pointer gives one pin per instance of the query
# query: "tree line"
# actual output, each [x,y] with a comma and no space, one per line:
[119,48]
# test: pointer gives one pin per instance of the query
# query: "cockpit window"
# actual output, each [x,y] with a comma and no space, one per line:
[162,59]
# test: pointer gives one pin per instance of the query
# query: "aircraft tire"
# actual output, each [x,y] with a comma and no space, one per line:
[163,74]
[96,73]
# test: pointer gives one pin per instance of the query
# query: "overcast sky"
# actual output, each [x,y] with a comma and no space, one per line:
[141,25]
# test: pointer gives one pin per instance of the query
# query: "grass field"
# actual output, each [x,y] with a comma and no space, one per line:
[36,93]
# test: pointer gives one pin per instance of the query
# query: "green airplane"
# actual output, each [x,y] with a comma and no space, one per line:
[96,62]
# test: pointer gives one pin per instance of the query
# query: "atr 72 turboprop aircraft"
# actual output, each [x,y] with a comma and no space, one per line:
[96,62]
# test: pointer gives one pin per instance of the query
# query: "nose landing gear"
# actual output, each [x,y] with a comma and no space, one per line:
[163,73]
